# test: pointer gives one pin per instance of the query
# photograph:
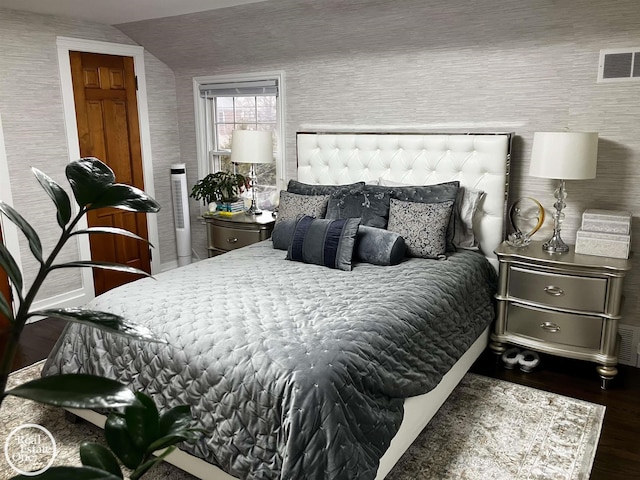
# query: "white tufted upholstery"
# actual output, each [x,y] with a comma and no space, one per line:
[479,161]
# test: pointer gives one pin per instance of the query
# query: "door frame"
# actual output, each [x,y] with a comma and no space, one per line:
[65,45]
[10,236]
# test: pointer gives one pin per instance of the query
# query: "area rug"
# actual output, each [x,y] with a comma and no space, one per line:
[487,429]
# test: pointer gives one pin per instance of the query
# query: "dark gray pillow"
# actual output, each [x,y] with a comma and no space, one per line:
[281,234]
[423,226]
[337,191]
[373,245]
[371,207]
[379,247]
[438,193]
[324,242]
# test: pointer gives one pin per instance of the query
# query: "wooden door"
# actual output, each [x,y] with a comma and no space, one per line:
[104,88]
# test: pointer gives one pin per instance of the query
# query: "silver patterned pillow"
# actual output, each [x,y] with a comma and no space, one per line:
[292,206]
[423,226]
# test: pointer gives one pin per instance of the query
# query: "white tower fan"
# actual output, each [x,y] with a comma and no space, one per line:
[181,212]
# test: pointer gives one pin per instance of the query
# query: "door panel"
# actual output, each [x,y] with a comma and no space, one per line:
[107,117]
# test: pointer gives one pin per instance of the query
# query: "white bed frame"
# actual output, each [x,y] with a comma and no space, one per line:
[476,160]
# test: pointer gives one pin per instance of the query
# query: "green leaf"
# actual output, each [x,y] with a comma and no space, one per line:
[175,419]
[145,467]
[120,442]
[143,421]
[34,241]
[103,320]
[89,178]
[102,265]
[57,194]
[76,391]
[111,230]
[75,473]
[169,440]
[9,265]
[126,197]
[98,456]
[5,308]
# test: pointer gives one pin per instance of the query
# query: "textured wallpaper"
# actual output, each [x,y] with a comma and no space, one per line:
[165,148]
[33,124]
[432,65]
[404,64]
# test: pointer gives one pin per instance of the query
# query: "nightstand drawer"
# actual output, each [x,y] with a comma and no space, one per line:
[563,291]
[555,327]
[223,238]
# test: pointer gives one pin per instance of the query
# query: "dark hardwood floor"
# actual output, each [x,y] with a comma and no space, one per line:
[618,454]
[36,341]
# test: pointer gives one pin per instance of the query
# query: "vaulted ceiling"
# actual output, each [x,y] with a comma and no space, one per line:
[113,12]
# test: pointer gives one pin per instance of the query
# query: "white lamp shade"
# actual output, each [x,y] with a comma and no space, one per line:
[251,146]
[564,155]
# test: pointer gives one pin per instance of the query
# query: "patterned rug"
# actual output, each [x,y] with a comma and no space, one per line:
[487,429]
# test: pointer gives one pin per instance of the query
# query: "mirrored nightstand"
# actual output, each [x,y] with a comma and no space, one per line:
[229,233]
[567,305]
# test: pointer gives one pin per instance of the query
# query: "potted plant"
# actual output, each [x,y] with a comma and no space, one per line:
[132,436]
[220,187]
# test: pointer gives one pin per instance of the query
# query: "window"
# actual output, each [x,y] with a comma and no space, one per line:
[225,104]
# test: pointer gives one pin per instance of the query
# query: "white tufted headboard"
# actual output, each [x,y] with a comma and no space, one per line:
[476,160]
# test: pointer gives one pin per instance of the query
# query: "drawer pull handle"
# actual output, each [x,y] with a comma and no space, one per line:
[232,240]
[550,327]
[553,290]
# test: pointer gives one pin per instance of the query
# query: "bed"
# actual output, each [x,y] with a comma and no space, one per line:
[297,370]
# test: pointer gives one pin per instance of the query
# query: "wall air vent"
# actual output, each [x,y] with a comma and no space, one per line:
[619,65]
[629,340]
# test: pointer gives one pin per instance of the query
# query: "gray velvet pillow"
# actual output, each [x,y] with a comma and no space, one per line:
[371,207]
[439,192]
[373,245]
[292,206]
[324,242]
[336,191]
[281,234]
[423,226]
[379,247]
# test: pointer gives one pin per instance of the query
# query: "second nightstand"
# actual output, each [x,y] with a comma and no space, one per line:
[567,304]
[228,233]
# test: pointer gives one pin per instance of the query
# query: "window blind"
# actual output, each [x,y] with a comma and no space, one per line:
[239,89]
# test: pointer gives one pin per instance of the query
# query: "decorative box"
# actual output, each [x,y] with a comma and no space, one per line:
[614,245]
[607,221]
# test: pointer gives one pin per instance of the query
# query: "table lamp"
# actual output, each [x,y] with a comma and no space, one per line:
[563,156]
[252,146]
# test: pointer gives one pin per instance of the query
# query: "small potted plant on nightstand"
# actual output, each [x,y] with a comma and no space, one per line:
[220,187]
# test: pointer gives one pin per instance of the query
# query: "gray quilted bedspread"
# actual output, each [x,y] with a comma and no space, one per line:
[296,371]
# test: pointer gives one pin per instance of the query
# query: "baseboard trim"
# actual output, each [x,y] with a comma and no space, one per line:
[164,267]
[73,298]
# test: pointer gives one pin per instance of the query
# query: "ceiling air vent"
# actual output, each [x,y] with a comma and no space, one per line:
[619,65]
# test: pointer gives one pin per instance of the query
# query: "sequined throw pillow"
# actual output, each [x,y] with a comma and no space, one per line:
[423,226]
[292,206]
